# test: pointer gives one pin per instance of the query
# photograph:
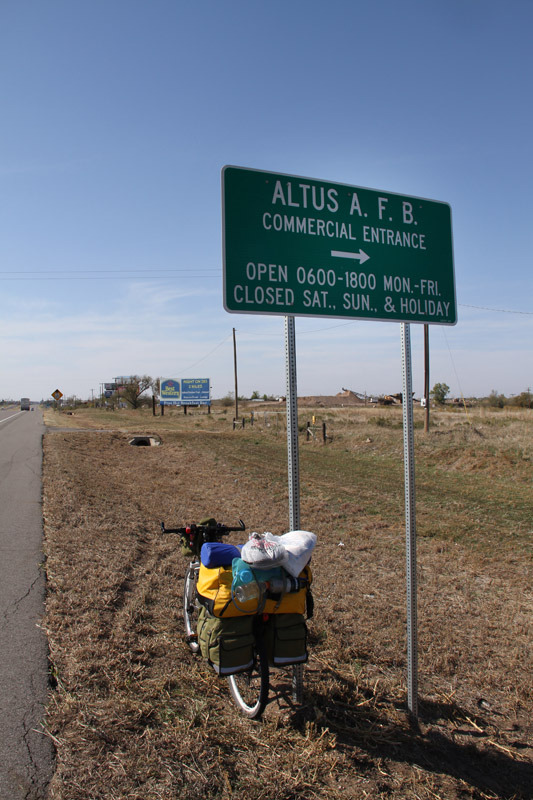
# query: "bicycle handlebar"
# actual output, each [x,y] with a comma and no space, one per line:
[219,529]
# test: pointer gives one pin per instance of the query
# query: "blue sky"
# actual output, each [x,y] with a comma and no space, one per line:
[118,116]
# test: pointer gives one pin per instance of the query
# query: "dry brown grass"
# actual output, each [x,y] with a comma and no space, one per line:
[135,715]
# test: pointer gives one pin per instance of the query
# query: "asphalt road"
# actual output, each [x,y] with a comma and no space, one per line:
[26,754]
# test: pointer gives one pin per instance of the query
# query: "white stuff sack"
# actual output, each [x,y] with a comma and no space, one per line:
[299,546]
[264,550]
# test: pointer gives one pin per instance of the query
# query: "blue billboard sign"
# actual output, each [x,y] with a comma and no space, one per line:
[170,392]
[195,391]
[185,392]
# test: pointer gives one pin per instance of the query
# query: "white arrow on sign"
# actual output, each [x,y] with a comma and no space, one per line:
[361,256]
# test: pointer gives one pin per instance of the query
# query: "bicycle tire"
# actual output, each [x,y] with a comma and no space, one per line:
[249,689]
[190,607]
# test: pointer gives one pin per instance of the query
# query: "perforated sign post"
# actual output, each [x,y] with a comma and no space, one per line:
[304,247]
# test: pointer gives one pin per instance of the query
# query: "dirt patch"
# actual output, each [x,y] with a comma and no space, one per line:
[135,715]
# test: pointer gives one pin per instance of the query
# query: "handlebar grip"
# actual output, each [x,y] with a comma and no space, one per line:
[241,527]
[172,530]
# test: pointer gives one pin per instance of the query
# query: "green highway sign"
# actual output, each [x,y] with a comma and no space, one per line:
[305,247]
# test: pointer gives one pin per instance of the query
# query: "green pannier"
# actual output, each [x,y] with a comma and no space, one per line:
[286,639]
[228,644]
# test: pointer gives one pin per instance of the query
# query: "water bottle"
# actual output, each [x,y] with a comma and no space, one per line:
[244,585]
[283,585]
[249,591]
[242,573]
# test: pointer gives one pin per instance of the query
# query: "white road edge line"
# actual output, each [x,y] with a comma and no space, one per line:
[11,417]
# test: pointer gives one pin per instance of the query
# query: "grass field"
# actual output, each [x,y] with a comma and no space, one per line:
[135,715]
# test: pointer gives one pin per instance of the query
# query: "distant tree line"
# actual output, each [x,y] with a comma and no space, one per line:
[440,392]
[134,392]
[522,400]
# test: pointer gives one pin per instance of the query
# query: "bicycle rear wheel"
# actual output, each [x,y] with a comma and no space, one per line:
[250,689]
[190,606]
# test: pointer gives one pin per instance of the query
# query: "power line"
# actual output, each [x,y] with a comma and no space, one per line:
[149,273]
[208,354]
[456,375]
[189,272]
[498,310]
[130,277]
[304,333]
[106,271]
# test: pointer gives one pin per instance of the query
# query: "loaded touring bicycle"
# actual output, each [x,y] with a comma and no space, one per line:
[247,616]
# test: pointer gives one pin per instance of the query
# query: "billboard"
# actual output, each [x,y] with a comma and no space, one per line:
[185,392]
[170,392]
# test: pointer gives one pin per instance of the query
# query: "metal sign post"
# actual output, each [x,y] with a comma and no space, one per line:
[292,425]
[410,521]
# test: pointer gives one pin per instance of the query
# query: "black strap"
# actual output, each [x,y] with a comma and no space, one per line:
[309,604]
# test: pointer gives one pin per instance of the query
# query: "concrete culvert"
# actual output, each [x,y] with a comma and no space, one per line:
[144,441]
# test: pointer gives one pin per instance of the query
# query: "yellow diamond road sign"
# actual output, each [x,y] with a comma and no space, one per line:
[57,395]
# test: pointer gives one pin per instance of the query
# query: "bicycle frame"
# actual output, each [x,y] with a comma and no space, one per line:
[190,605]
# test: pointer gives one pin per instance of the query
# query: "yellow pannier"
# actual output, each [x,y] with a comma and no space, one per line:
[214,593]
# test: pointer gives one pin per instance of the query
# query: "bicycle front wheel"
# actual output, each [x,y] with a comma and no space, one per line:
[250,689]
[190,606]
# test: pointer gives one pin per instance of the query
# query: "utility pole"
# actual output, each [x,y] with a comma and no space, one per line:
[235,373]
[426,376]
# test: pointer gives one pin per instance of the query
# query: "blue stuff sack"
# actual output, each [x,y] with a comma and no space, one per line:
[218,554]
